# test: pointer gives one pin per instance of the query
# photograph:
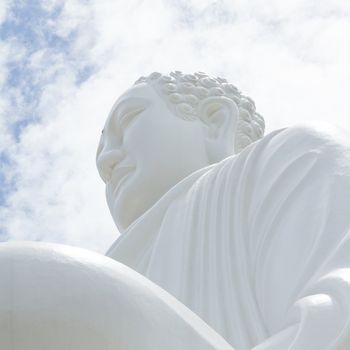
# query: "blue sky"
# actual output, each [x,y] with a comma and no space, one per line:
[28,25]
[63,63]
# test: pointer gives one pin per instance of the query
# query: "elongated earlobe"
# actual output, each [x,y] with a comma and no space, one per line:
[219,115]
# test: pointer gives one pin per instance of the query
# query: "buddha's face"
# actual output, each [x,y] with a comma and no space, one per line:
[144,151]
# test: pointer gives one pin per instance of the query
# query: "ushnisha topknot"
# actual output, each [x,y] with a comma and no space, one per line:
[184,92]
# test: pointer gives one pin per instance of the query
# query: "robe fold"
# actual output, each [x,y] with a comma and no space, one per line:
[258,244]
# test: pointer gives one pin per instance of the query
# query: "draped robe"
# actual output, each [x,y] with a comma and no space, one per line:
[258,244]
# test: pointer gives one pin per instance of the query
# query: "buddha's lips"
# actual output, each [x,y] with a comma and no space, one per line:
[118,175]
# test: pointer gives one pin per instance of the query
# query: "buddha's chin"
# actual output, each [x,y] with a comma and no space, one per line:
[133,199]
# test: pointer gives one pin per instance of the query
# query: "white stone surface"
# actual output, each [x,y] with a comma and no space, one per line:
[56,297]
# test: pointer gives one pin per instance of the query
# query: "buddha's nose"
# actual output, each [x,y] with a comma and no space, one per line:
[106,161]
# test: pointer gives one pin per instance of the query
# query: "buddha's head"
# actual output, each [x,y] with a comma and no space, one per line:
[164,128]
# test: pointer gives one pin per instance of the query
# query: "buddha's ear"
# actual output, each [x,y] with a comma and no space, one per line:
[219,115]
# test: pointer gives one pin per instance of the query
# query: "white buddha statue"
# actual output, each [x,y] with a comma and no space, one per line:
[236,241]
[250,234]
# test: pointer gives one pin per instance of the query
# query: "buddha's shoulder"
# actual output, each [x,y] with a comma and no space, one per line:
[308,135]
[316,137]
[318,140]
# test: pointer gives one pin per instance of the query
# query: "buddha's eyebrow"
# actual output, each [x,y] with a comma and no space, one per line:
[128,102]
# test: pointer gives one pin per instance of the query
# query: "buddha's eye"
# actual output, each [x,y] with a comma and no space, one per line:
[127,117]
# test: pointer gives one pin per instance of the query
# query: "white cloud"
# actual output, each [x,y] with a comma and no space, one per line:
[290,56]
[3,10]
